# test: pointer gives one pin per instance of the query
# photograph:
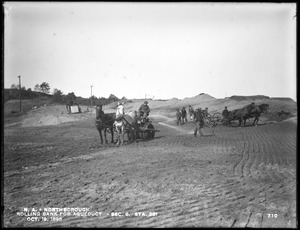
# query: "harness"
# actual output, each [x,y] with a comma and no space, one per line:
[102,124]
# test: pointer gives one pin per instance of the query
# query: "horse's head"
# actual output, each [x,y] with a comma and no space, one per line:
[263,108]
[138,114]
[99,112]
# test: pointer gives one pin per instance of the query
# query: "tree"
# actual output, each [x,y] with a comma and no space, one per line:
[37,88]
[57,95]
[14,86]
[45,87]
[70,98]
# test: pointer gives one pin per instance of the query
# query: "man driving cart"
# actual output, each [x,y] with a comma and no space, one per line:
[144,110]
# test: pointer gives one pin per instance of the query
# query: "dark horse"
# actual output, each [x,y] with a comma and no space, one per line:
[105,122]
[247,112]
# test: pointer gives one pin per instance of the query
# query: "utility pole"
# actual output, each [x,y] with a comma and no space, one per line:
[20,93]
[91,95]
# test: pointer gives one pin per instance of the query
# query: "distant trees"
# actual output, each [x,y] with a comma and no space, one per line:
[45,88]
[14,86]
[113,97]
[57,96]
[13,93]
[70,98]
[41,91]
[37,88]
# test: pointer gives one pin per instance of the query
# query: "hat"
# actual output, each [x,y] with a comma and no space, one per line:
[146,102]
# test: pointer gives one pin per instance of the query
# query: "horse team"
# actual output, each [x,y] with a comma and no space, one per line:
[108,123]
[249,111]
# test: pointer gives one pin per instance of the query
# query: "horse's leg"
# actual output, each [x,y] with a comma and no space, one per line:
[118,137]
[122,135]
[255,120]
[196,129]
[131,134]
[118,134]
[105,135]
[100,133]
[112,135]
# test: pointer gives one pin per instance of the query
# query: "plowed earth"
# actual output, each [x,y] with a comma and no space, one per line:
[231,177]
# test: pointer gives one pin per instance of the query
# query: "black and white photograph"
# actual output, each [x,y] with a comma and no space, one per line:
[149,115]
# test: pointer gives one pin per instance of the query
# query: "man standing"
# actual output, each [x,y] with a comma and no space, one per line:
[178,116]
[199,122]
[183,114]
[225,114]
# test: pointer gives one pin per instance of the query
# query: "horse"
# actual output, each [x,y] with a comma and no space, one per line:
[127,123]
[104,122]
[247,112]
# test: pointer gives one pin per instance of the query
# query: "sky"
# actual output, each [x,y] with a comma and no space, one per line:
[153,50]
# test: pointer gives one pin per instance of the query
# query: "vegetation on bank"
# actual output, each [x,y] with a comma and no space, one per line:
[57,97]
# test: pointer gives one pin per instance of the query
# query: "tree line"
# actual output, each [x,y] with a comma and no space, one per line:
[43,90]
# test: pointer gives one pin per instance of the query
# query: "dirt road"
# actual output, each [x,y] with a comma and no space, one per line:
[233,177]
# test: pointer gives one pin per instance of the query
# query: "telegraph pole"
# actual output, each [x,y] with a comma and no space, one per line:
[20,93]
[91,95]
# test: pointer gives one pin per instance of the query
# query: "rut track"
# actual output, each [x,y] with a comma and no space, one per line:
[236,177]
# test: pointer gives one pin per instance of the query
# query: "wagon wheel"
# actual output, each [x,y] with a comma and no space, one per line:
[216,119]
[233,122]
[149,132]
[208,122]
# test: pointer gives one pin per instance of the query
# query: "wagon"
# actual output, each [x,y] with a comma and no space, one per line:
[144,130]
[212,119]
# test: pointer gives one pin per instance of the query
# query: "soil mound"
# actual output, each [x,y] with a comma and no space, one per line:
[52,115]
[242,98]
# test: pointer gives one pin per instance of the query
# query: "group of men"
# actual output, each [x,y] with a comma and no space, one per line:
[181,115]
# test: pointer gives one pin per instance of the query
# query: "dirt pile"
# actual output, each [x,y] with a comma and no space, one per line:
[52,115]
[242,98]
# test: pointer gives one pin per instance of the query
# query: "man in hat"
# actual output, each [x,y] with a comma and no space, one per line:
[178,116]
[225,114]
[199,122]
[183,114]
[144,110]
